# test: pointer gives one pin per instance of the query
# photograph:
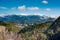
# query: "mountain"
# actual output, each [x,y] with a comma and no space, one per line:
[53,32]
[26,19]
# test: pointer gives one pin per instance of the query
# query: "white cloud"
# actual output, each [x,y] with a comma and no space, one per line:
[45,2]
[33,8]
[3,8]
[54,16]
[25,14]
[48,9]
[40,14]
[22,7]
[2,15]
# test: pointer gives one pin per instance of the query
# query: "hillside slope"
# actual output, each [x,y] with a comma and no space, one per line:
[53,32]
[35,32]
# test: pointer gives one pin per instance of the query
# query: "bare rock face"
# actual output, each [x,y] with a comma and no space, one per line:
[53,32]
[5,34]
[2,28]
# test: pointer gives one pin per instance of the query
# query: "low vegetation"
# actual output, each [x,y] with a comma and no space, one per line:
[31,32]
[35,32]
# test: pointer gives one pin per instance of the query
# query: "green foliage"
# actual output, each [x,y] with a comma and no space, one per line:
[35,32]
[31,32]
[2,23]
[10,26]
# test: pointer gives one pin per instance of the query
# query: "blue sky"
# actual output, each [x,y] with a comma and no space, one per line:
[30,7]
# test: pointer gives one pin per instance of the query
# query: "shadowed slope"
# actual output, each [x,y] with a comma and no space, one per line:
[53,32]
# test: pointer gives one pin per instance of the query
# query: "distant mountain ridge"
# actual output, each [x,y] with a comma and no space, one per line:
[26,19]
